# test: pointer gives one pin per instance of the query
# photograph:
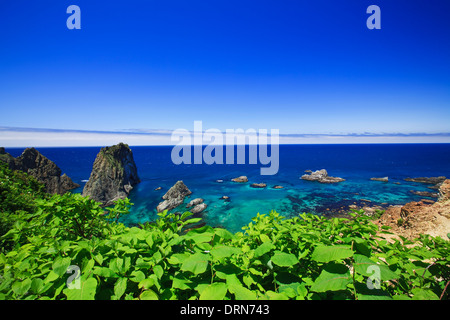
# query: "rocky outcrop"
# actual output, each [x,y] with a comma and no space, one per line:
[194,202]
[198,208]
[240,179]
[174,197]
[258,185]
[321,176]
[113,175]
[420,217]
[41,168]
[277,187]
[428,180]
[425,193]
[384,179]
[444,191]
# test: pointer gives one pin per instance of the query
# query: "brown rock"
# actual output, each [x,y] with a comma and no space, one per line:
[240,179]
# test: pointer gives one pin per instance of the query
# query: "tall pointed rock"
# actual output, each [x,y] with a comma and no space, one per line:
[113,175]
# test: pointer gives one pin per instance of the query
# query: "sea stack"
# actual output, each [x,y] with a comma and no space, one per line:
[113,175]
[41,168]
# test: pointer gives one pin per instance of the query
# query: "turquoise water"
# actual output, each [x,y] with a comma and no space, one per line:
[355,163]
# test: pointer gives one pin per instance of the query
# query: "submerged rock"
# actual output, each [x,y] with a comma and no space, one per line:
[194,202]
[428,180]
[41,168]
[113,175]
[425,193]
[240,179]
[321,176]
[277,187]
[384,179]
[174,197]
[198,208]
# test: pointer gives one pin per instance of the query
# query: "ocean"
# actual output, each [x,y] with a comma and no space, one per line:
[355,163]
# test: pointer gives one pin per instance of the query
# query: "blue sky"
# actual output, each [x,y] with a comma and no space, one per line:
[303,67]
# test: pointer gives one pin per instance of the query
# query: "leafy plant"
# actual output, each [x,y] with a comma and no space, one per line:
[68,247]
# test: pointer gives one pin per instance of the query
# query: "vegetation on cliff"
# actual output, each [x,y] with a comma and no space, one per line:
[69,247]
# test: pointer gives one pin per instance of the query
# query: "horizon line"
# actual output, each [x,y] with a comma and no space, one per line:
[18,137]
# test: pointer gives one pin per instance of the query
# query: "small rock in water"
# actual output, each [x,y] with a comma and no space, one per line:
[240,179]
[258,185]
[384,179]
[194,202]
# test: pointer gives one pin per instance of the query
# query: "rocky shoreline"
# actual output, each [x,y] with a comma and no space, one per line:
[114,174]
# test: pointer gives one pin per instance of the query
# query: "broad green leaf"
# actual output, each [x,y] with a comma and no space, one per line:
[105,272]
[87,290]
[331,253]
[283,259]
[182,284]
[240,292]
[21,287]
[263,249]
[148,295]
[196,263]
[223,233]
[146,283]
[222,251]
[37,285]
[215,291]
[333,278]
[423,294]
[60,266]
[159,271]
[120,287]
[367,267]
[271,295]
[137,276]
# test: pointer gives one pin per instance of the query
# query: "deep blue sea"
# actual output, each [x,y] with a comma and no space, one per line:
[355,163]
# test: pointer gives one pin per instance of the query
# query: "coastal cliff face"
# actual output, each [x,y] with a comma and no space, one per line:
[40,167]
[113,175]
[420,217]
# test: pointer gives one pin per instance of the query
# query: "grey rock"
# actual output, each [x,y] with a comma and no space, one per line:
[321,176]
[174,197]
[41,168]
[113,176]
[194,202]
[199,208]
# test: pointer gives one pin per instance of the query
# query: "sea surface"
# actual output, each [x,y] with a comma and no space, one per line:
[355,163]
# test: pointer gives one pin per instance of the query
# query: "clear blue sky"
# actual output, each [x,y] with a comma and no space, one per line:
[297,66]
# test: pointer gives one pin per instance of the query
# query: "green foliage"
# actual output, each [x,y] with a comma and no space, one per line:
[305,257]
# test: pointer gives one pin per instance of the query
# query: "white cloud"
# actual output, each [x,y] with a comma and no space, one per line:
[29,137]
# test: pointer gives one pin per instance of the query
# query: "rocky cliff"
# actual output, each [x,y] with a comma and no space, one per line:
[113,175]
[40,167]
[420,217]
